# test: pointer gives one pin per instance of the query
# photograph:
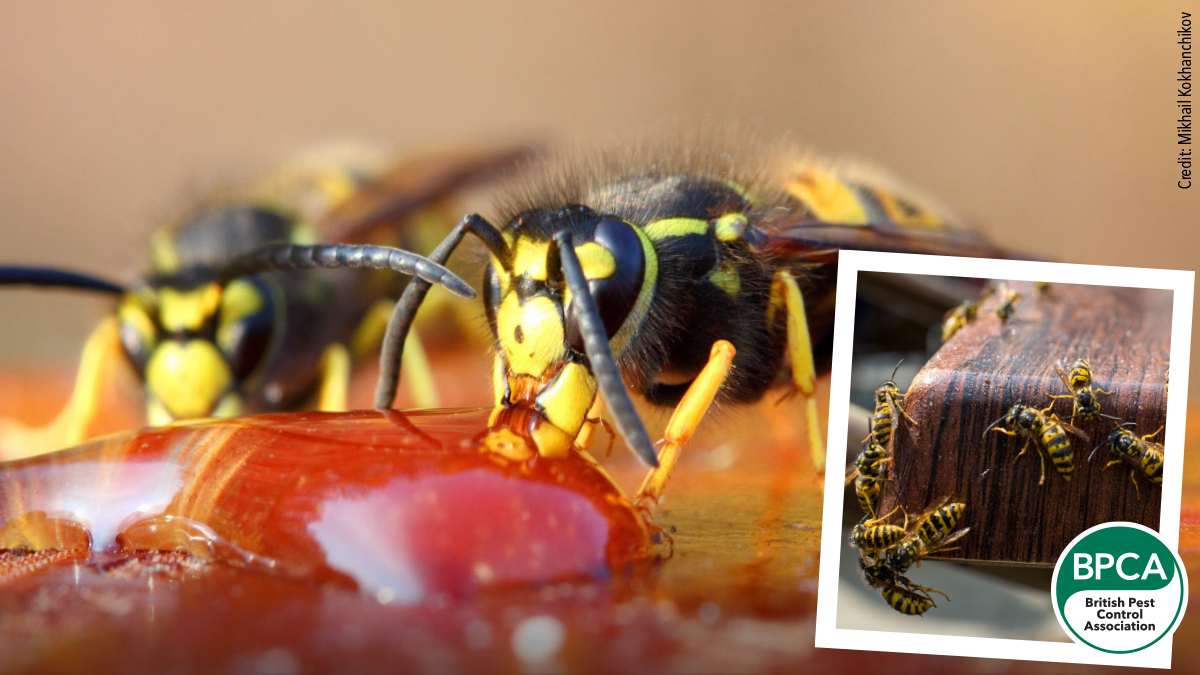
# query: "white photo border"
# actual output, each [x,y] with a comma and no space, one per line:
[850,263]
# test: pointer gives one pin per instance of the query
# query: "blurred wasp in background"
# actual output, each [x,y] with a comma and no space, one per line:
[957,318]
[242,312]
[688,274]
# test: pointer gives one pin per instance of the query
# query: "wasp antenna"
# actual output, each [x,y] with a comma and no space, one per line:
[985,431]
[1095,449]
[599,353]
[490,236]
[50,277]
[331,256]
[895,370]
[392,349]
[1111,417]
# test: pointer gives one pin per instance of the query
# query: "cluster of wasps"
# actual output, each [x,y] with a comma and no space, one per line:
[675,271]
[1047,431]
[958,318]
[888,551]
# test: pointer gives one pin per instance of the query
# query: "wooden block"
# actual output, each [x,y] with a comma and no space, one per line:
[991,365]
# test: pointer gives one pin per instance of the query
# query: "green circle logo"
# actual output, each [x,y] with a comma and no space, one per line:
[1118,588]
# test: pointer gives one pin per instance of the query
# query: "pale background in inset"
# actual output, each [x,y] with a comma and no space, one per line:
[1049,124]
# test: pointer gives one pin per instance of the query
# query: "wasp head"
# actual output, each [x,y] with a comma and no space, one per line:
[194,341]
[528,303]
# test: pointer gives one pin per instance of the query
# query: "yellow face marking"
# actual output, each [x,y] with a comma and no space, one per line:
[529,259]
[531,335]
[567,399]
[829,198]
[188,310]
[132,314]
[726,278]
[240,300]
[675,227]
[730,226]
[597,261]
[188,378]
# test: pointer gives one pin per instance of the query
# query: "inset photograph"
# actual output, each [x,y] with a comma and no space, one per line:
[990,421]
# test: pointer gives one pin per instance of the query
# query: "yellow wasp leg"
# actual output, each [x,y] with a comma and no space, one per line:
[584,440]
[804,371]
[896,405]
[335,378]
[686,418]
[414,364]
[70,426]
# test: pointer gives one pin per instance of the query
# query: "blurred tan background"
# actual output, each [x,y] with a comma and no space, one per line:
[1049,124]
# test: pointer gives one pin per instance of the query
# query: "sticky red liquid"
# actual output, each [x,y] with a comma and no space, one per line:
[403,507]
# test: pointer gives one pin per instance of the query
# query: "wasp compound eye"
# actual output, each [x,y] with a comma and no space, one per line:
[615,265]
[245,325]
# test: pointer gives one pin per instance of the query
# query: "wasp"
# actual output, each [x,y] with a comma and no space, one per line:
[1047,432]
[234,318]
[1166,374]
[931,533]
[1079,381]
[957,318]
[868,474]
[1008,303]
[898,591]
[887,404]
[683,275]
[1139,451]
[876,534]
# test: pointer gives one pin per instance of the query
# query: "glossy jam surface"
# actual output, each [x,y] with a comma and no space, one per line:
[403,507]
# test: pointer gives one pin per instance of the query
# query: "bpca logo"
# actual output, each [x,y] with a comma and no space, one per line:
[1118,588]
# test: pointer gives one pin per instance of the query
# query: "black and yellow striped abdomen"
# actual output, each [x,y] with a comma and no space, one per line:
[939,523]
[876,537]
[906,602]
[1054,439]
[1152,464]
[866,488]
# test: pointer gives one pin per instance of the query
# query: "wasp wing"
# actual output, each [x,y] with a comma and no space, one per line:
[851,474]
[1072,429]
[1063,375]
[397,193]
[819,241]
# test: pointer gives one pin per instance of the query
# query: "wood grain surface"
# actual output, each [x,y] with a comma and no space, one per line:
[989,366]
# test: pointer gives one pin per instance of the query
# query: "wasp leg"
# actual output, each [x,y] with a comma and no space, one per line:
[897,406]
[786,292]
[418,374]
[590,422]
[70,427]
[1133,477]
[686,418]
[1149,436]
[335,378]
